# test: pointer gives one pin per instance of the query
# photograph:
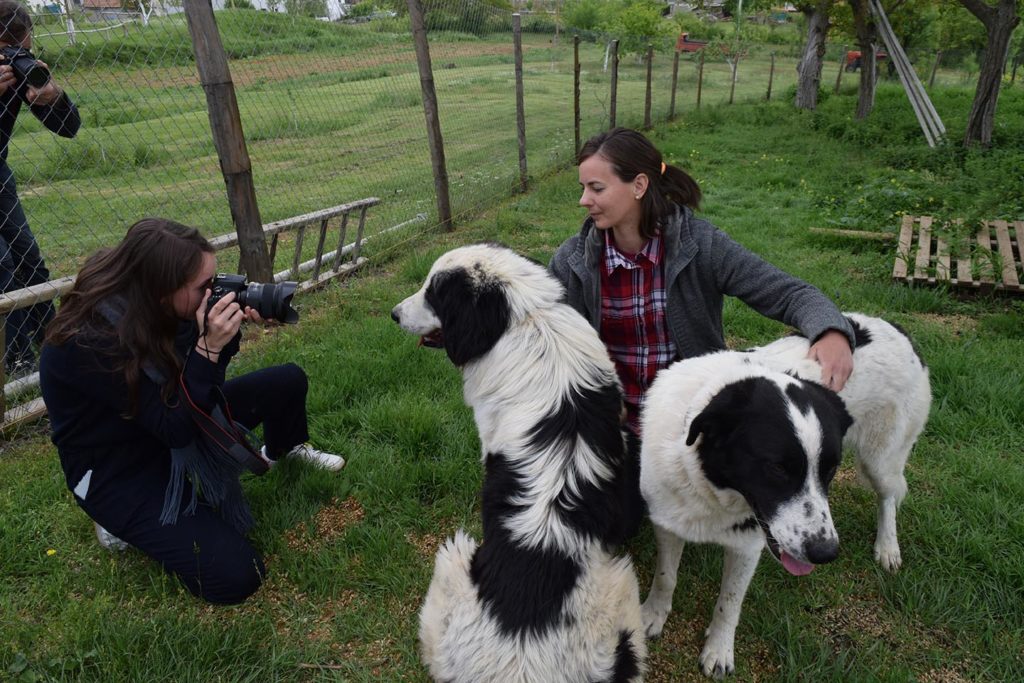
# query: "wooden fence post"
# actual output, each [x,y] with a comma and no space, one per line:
[935,67]
[576,92]
[842,65]
[517,43]
[647,95]
[771,77]
[430,112]
[615,83]
[735,72]
[675,81]
[228,138]
[700,77]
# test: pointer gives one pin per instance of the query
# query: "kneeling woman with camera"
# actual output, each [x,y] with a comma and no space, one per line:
[150,435]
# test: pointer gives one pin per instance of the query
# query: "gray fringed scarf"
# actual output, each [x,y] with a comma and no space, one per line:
[213,462]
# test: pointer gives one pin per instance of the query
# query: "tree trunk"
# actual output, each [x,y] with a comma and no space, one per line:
[809,68]
[999,23]
[868,81]
[867,34]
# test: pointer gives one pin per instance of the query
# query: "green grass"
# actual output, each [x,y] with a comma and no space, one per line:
[331,114]
[350,555]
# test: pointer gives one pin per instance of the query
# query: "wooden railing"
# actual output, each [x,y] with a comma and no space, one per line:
[322,268]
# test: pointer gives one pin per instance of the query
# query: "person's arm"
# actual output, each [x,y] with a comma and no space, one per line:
[559,264]
[780,296]
[52,106]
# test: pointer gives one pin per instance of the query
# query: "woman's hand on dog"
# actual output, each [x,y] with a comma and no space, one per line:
[832,351]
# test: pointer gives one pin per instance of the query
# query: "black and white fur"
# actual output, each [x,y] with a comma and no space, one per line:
[545,597]
[739,449]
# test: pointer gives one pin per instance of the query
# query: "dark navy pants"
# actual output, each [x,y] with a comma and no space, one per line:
[212,559]
[21,265]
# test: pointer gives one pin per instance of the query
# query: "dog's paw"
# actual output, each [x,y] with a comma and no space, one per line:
[716,661]
[653,617]
[888,555]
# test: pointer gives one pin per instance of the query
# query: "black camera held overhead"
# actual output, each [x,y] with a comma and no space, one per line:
[26,67]
[271,301]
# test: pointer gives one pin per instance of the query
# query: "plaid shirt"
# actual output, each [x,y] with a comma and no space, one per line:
[633,323]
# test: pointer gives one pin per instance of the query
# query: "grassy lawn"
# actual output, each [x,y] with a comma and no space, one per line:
[331,113]
[350,555]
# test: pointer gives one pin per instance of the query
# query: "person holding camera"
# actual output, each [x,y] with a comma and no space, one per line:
[152,438]
[23,79]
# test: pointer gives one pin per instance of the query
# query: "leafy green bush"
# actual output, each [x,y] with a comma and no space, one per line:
[771,34]
[468,16]
[360,9]
[638,24]
[698,28]
[538,23]
[585,15]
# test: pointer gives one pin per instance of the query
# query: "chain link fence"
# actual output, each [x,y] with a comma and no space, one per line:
[332,113]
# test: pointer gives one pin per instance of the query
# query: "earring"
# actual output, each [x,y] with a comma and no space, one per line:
[636,197]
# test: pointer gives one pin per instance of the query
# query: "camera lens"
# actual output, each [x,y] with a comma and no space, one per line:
[270,300]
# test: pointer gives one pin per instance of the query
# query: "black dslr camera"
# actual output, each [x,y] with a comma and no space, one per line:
[269,300]
[25,66]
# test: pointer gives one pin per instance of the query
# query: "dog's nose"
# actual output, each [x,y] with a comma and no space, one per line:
[822,550]
[394,315]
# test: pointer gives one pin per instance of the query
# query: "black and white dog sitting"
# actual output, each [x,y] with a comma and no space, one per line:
[739,449]
[544,597]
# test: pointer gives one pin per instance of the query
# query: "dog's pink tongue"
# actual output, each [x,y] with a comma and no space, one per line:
[796,567]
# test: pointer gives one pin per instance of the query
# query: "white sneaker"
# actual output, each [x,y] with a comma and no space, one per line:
[109,540]
[327,461]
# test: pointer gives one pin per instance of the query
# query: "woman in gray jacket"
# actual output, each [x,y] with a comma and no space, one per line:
[651,277]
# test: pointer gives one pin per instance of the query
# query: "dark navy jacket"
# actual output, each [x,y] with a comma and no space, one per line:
[87,402]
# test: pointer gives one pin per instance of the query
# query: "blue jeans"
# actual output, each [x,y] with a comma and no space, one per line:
[21,265]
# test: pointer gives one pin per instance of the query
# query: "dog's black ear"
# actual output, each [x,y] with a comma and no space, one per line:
[725,411]
[715,422]
[474,313]
[696,429]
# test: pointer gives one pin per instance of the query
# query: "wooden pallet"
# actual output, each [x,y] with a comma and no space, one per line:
[992,263]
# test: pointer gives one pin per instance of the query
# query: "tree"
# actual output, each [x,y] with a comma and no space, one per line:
[999,21]
[956,29]
[584,15]
[809,67]
[867,37]
[639,24]
[908,18]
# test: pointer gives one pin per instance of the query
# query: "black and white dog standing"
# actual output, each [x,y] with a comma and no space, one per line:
[739,449]
[545,597]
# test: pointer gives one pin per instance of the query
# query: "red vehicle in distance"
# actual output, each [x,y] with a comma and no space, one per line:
[854,58]
[684,44]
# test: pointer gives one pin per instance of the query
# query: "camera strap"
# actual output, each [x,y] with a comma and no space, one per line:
[221,431]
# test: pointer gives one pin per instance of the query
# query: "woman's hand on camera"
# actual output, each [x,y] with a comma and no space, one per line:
[252,316]
[46,95]
[219,325]
[7,78]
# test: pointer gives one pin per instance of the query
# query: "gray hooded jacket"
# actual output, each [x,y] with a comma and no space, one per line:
[702,264]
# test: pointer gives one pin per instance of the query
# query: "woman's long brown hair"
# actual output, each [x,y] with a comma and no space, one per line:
[630,154]
[156,258]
